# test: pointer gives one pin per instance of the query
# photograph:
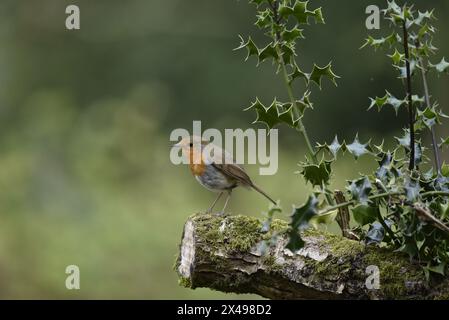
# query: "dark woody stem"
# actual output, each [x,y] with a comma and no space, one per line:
[411,109]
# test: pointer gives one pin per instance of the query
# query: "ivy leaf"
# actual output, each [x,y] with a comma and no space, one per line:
[361,189]
[318,72]
[439,269]
[300,221]
[317,175]
[364,214]
[357,149]
[375,234]
[441,67]
[273,115]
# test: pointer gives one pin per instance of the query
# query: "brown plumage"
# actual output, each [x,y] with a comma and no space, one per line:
[218,174]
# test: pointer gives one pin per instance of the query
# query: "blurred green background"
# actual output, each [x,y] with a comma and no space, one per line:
[85,118]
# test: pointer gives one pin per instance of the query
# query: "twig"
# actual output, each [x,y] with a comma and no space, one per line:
[436,151]
[411,110]
[426,216]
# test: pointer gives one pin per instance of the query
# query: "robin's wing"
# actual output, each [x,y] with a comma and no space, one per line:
[234,171]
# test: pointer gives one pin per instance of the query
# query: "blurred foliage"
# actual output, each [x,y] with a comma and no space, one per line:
[84,123]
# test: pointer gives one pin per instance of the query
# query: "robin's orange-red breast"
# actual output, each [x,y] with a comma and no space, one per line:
[219,172]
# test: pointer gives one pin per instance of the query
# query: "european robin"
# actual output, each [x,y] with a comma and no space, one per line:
[217,172]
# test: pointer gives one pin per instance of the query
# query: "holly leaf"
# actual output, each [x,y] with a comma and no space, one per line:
[444,142]
[388,99]
[441,67]
[335,146]
[302,14]
[404,141]
[275,114]
[357,149]
[360,190]
[292,34]
[412,189]
[429,117]
[317,175]
[269,52]
[264,19]
[250,46]
[397,57]
[318,73]
[300,221]
[364,214]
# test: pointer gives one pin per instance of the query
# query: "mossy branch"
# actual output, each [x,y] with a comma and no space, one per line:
[225,254]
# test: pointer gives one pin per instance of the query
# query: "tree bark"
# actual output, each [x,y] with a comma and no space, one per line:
[232,254]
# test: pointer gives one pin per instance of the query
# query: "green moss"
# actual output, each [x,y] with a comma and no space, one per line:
[395,270]
[236,233]
[185,282]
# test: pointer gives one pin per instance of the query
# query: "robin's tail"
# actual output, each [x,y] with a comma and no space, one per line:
[263,193]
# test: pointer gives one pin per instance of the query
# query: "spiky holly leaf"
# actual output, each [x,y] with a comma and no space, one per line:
[404,141]
[335,146]
[269,52]
[304,103]
[429,117]
[300,221]
[358,149]
[441,67]
[292,34]
[386,100]
[318,73]
[250,46]
[317,175]
[391,40]
[397,57]
[412,189]
[364,214]
[444,142]
[258,2]
[298,73]
[275,114]
[360,190]
[288,52]
[392,8]
[301,13]
[445,169]
[403,69]
[264,18]
[423,16]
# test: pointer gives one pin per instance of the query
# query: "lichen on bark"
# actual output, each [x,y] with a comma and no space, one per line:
[222,253]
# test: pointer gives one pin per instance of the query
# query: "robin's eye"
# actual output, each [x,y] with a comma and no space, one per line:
[191,145]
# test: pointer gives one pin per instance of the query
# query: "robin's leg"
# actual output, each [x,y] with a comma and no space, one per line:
[226,203]
[214,203]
